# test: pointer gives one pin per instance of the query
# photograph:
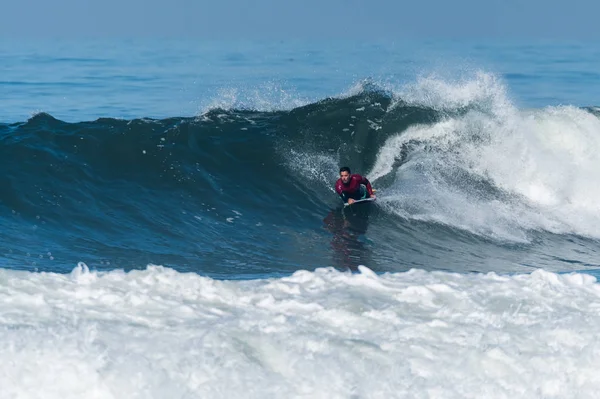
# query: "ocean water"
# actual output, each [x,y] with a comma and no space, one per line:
[170,228]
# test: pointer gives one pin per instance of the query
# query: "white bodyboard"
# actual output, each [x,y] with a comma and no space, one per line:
[360,201]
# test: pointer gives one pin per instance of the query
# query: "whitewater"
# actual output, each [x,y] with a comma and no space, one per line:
[541,163]
[157,333]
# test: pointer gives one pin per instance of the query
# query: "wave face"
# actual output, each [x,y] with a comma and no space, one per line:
[466,181]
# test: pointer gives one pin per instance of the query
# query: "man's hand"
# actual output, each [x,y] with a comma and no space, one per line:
[350,201]
[373,196]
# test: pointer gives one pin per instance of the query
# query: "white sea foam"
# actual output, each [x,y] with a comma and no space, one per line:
[158,333]
[543,163]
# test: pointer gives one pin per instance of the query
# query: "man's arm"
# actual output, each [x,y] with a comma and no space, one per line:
[342,194]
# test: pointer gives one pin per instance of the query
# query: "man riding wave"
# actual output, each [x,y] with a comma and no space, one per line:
[352,187]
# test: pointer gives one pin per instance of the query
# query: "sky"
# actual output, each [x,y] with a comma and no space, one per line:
[285,19]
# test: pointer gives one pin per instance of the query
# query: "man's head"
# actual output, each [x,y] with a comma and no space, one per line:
[345,174]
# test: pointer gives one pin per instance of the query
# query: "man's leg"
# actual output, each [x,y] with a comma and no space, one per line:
[363,192]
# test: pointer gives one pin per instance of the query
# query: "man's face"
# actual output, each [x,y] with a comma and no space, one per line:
[345,176]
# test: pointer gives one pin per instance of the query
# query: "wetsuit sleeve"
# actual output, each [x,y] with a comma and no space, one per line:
[338,189]
[367,183]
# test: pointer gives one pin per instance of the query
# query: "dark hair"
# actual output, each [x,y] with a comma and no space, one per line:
[345,169]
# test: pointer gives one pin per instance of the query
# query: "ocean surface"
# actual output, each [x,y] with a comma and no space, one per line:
[170,227]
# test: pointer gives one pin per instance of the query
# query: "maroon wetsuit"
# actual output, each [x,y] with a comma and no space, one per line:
[352,189]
